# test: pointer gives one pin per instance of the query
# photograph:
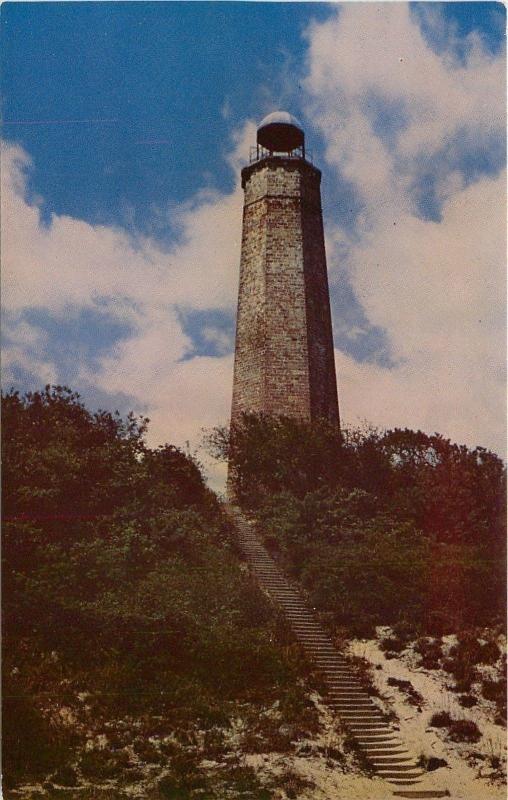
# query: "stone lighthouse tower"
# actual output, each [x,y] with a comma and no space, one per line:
[284,362]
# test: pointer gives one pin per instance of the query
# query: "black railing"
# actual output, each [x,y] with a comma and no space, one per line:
[258,152]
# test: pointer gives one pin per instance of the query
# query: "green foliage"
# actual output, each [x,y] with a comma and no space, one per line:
[31,744]
[467,700]
[407,687]
[294,784]
[381,528]
[464,730]
[272,454]
[431,763]
[441,719]
[431,652]
[121,581]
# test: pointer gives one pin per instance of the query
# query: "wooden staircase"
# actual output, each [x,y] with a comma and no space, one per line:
[345,695]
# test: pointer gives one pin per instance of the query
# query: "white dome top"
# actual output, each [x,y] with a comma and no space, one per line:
[280,118]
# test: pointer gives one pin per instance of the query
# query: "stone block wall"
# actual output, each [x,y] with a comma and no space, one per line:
[284,349]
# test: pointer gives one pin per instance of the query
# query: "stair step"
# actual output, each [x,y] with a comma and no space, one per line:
[343,689]
[420,794]
[362,701]
[409,770]
[360,727]
[345,694]
[348,697]
[384,739]
[309,630]
[337,669]
[360,714]
[403,756]
[340,694]
[337,662]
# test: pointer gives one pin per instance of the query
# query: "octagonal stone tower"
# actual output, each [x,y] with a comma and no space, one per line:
[284,363]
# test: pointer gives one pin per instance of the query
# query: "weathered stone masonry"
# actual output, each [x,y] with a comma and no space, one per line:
[284,349]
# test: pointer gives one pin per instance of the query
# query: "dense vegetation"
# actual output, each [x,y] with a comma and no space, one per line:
[127,613]
[381,528]
[135,643]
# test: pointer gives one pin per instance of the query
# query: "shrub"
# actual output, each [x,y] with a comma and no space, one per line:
[243,780]
[98,765]
[467,700]
[430,651]
[65,776]
[31,747]
[462,669]
[430,662]
[147,752]
[406,629]
[119,560]
[431,763]
[393,644]
[440,719]
[463,686]
[494,690]
[489,652]
[469,651]
[464,730]
[407,687]
[294,784]
[214,743]
[170,788]
[267,737]
[184,763]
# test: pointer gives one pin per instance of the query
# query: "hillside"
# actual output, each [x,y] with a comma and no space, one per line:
[142,660]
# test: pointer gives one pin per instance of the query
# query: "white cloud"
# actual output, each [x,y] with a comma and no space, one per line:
[69,265]
[72,263]
[436,288]
[372,51]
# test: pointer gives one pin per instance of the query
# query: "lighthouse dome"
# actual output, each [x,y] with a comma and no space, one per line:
[280,132]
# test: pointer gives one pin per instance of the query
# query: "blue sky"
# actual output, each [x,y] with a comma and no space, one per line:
[133,119]
[133,103]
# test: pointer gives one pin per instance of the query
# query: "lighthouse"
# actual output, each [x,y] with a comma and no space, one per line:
[284,362]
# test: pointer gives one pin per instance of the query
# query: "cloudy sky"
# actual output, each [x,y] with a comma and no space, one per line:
[125,129]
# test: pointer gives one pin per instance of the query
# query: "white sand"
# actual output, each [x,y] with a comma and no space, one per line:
[466,777]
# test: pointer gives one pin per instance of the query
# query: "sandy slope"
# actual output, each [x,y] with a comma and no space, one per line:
[467,776]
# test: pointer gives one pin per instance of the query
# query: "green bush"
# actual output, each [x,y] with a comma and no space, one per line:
[392,643]
[65,776]
[441,719]
[99,765]
[464,730]
[467,700]
[431,763]
[31,746]
[408,519]
[121,580]
[494,690]
[408,689]
[294,784]
[430,650]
